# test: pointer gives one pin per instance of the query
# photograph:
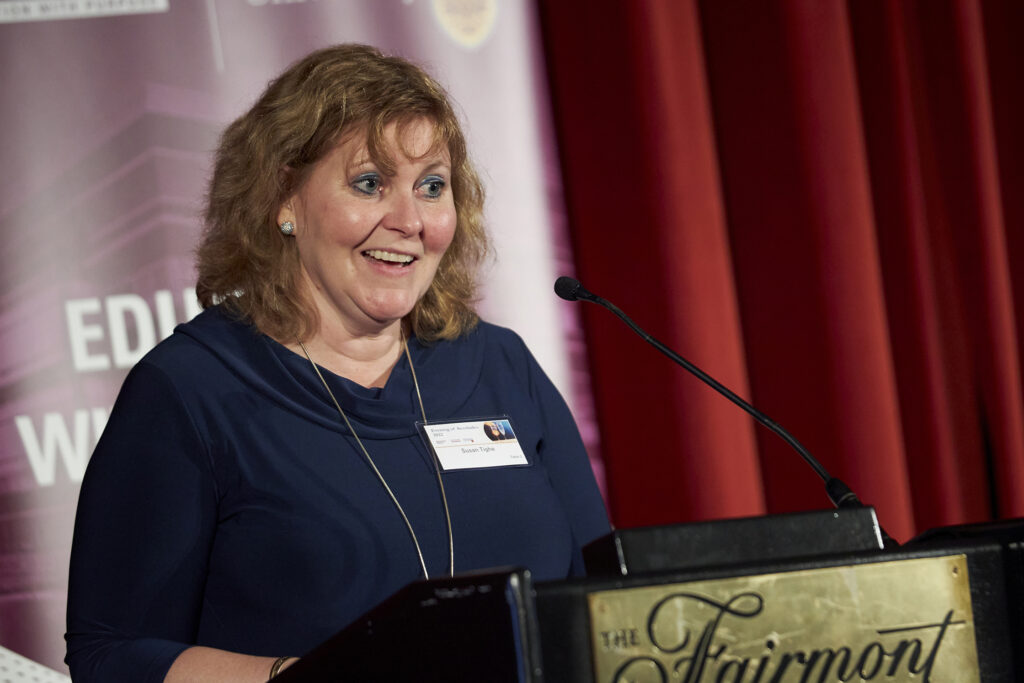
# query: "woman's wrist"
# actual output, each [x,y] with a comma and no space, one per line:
[279,665]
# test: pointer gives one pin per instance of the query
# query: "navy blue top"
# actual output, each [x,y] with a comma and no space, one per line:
[227,505]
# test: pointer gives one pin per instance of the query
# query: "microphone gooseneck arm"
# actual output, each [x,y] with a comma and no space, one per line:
[838,492]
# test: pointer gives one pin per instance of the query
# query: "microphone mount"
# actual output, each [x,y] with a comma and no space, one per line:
[841,495]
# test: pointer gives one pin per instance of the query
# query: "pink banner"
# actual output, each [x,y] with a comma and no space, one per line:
[110,112]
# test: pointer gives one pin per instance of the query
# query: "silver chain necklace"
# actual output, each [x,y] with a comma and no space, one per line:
[384,483]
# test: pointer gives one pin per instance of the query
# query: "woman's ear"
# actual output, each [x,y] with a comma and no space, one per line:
[285,213]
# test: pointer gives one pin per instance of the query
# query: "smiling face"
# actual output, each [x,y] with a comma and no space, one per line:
[370,239]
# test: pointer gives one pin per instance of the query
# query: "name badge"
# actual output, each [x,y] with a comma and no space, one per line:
[472,444]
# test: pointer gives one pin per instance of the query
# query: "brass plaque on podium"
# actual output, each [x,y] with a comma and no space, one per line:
[907,620]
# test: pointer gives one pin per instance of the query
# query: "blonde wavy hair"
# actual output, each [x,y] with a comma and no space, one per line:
[244,261]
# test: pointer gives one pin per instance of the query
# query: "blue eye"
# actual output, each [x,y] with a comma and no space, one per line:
[433,186]
[368,183]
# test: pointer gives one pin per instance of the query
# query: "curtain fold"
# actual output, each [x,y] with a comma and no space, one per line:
[807,268]
[628,182]
[818,203]
[926,315]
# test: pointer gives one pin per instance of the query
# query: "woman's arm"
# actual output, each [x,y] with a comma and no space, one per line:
[146,517]
[566,460]
[198,664]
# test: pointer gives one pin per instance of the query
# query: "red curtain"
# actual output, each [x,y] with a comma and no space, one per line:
[819,203]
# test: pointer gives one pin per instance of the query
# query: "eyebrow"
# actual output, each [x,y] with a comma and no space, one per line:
[440,162]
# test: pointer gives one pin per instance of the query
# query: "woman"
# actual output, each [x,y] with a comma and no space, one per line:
[265,477]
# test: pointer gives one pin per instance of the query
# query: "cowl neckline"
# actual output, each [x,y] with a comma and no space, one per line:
[448,372]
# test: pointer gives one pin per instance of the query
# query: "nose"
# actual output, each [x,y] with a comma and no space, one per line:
[403,214]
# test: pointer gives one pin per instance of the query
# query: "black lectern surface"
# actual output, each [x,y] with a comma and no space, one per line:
[692,624]
[729,541]
[473,627]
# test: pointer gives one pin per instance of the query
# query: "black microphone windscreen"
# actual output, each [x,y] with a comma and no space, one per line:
[568,288]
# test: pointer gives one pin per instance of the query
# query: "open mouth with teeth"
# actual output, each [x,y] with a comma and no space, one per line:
[388,257]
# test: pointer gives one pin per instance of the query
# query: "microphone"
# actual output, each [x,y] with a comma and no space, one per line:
[570,289]
[841,495]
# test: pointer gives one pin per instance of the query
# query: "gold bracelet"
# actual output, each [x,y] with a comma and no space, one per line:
[276,666]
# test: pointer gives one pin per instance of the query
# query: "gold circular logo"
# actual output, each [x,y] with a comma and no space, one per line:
[467,22]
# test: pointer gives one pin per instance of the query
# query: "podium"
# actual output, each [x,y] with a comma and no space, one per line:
[804,598]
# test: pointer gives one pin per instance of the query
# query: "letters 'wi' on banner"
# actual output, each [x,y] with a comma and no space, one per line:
[907,620]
